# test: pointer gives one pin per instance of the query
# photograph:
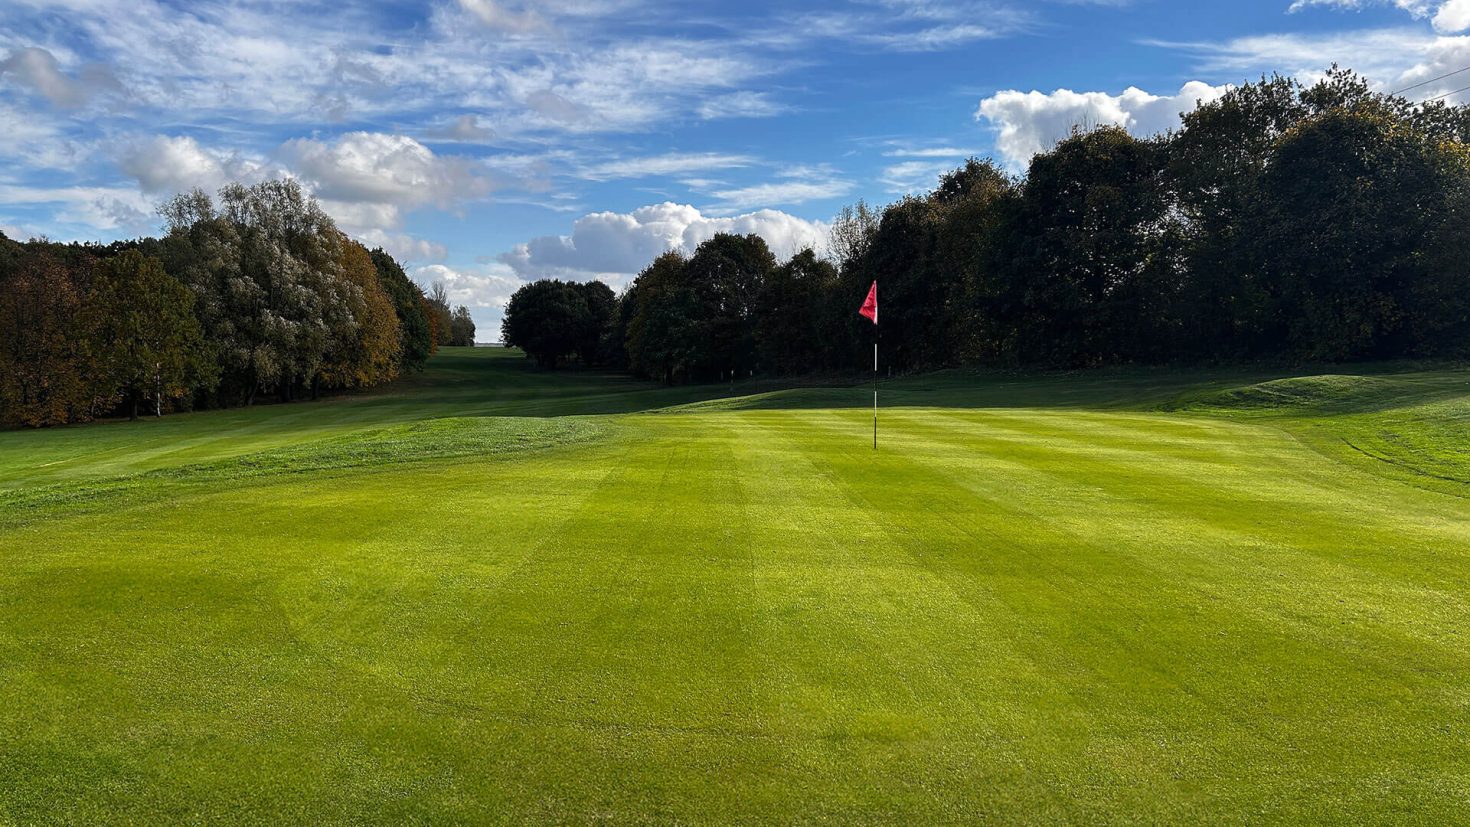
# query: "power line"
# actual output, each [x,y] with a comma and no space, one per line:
[1431,80]
[1445,95]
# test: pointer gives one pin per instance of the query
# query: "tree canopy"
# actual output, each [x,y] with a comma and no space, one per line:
[256,293]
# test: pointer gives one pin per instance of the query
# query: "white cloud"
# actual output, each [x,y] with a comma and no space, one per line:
[957,153]
[780,193]
[497,16]
[490,286]
[402,246]
[1453,16]
[1028,122]
[935,38]
[796,185]
[911,25]
[625,87]
[914,176]
[367,181]
[123,209]
[673,163]
[16,233]
[615,246]
[1418,8]
[37,140]
[743,104]
[166,165]
[388,169]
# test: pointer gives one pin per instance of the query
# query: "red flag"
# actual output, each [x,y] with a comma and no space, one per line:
[870,305]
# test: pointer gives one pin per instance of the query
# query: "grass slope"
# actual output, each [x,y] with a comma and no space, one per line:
[1120,597]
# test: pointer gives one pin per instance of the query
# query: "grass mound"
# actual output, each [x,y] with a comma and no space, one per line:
[1328,393]
[1412,425]
[432,439]
[1428,444]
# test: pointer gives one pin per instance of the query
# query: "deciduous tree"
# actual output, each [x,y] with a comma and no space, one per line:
[146,339]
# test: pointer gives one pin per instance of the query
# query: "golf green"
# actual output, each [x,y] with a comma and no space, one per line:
[495,594]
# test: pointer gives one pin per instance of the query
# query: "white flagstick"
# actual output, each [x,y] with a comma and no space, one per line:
[875,392]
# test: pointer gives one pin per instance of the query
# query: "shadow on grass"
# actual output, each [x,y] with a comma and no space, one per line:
[1325,391]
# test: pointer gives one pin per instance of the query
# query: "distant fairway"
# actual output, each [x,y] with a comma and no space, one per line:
[493,594]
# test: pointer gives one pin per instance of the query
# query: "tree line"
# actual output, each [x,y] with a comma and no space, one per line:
[253,294]
[1281,221]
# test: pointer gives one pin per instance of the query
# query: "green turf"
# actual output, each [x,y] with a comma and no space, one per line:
[494,594]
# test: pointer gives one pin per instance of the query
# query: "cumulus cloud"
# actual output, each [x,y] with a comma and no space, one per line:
[376,167]
[38,70]
[614,246]
[402,246]
[1028,122]
[1453,16]
[490,286]
[166,165]
[367,181]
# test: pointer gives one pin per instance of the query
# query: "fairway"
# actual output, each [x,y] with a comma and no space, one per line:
[491,593]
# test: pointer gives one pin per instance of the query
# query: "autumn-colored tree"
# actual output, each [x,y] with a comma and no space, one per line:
[46,374]
[415,337]
[443,316]
[147,341]
[367,352]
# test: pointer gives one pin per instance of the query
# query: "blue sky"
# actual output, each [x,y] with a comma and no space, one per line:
[486,143]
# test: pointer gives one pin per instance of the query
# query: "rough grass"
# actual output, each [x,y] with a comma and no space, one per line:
[1087,598]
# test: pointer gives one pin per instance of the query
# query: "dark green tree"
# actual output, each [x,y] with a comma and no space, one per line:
[792,314]
[547,319]
[725,275]
[1350,201]
[602,309]
[1092,274]
[662,311]
[147,338]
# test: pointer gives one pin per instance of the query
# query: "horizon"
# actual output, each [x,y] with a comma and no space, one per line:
[488,144]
